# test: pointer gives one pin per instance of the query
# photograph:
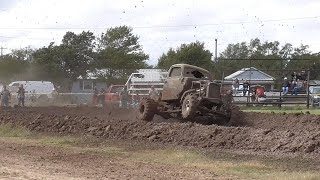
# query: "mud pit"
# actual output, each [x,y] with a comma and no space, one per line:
[253,132]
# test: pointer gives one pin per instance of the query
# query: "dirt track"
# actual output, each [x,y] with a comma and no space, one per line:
[29,160]
[253,133]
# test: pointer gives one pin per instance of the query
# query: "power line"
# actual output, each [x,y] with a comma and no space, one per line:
[167,26]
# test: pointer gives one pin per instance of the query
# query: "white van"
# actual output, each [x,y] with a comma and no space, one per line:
[35,87]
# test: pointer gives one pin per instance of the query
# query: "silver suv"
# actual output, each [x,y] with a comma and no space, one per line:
[314,95]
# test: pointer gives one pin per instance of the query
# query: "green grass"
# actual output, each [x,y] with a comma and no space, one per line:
[8,130]
[240,169]
[316,112]
[293,109]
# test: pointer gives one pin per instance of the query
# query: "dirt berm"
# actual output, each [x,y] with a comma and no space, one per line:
[253,132]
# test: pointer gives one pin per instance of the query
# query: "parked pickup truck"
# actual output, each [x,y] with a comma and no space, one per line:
[113,93]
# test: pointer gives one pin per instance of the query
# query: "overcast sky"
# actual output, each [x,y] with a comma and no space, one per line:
[162,24]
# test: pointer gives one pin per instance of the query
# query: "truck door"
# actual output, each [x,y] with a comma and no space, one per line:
[172,86]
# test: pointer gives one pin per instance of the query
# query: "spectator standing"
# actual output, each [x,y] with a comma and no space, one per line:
[293,76]
[101,97]
[235,86]
[124,98]
[21,96]
[5,97]
[303,76]
[246,87]
[259,92]
[95,96]
[135,99]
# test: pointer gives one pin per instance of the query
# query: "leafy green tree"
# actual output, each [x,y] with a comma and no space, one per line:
[23,53]
[193,53]
[12,68]
[67,61]
[120,53]
[262,55]
[270,57]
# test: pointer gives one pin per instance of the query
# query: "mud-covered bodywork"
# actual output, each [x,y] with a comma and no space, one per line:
[188,92]
[181,78]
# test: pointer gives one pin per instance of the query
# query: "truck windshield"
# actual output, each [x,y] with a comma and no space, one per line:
[194,73]
[316,91]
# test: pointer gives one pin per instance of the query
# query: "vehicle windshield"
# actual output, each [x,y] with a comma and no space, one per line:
[116,89]
[315,91]
[195,73]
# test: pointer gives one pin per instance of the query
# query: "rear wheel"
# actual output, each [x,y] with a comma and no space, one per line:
[189,106]
[312,103]
[147,109]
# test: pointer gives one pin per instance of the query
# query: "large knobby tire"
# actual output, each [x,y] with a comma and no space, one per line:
[147,109]
[189,107]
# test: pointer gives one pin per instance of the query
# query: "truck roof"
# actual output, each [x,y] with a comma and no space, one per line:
[191,66]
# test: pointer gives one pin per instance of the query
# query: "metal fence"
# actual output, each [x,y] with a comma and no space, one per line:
[274,95]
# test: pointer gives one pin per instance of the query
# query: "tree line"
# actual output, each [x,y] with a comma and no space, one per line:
[119,53]
[270,57]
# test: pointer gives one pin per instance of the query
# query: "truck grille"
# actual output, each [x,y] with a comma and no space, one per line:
[213,90]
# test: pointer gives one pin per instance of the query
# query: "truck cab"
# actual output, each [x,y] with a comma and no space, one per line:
[113,93]
[180,79]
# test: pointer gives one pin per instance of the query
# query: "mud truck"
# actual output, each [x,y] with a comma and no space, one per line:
[188,92]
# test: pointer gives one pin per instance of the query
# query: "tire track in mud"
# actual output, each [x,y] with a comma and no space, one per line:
[252,132]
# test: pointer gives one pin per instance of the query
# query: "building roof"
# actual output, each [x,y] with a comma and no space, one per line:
[250,74]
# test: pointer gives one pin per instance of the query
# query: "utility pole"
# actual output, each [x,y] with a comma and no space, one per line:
[2,48]
[216,51]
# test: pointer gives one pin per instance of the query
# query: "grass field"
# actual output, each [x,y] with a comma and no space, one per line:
[293,109]
[226,166]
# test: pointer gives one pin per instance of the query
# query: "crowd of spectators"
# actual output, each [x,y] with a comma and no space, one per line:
[295,84]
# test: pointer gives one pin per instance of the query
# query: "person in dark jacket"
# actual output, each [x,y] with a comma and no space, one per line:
[5,97]
[246,87]
[101,97]
[21,96]
[95,96]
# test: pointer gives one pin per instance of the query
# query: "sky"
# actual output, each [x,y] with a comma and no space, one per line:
[162,24]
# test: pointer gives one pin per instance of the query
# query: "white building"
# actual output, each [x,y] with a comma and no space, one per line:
[253,76]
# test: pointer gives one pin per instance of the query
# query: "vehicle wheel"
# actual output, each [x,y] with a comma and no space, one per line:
[312,103]
[147,109]
[189,106]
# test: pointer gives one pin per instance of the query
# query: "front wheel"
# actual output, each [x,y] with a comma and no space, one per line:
[312,103]
[147,109]
[189,106]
